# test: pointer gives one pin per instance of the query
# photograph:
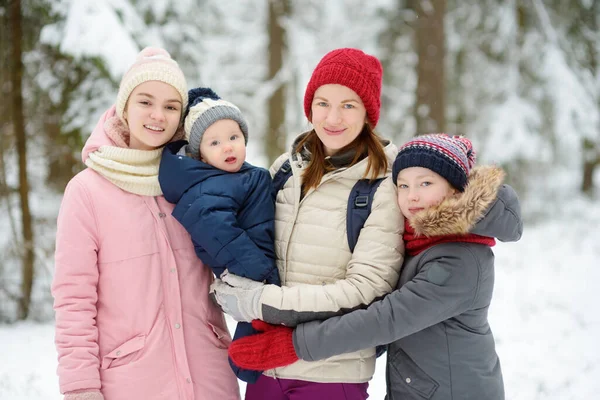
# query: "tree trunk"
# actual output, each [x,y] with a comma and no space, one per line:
[591,150]
[591,159]
[275,137]
[61,160]
[587,183]
[430,106]
[398,24]
[16,74]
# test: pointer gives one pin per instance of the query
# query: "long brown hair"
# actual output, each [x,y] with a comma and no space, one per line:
[366,142]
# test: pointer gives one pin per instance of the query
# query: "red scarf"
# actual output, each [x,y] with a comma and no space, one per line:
[416,244]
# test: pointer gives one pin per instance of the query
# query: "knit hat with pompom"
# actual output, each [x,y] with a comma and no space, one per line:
[205,108]
[452,157]
[151,64]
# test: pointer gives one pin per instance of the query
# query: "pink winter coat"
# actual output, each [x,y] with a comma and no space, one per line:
[133,317]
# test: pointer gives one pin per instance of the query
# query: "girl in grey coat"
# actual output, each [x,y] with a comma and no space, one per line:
[441,346]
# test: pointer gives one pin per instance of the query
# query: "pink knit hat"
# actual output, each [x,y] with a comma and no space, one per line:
[151,64]
[351,68]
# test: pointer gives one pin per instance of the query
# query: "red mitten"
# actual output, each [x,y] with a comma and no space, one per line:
[271,348]
[263,326]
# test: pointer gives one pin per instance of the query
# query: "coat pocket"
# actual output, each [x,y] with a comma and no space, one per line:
[223,339]
[408,379]
[119,356]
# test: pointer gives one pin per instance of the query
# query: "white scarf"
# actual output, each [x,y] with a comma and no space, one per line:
[135,171]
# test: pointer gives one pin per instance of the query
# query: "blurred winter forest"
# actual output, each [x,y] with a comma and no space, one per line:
[521,78]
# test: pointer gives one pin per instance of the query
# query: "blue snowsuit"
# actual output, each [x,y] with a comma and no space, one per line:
[230,217]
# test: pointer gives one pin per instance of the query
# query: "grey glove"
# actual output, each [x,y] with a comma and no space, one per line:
[238,297]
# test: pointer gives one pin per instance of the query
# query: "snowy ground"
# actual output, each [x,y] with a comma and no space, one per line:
[543,317]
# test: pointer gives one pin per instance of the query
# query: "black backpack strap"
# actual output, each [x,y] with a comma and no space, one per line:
[281,177]
[359,208]
[380,350]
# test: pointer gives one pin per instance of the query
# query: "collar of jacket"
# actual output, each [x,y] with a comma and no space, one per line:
[178,172]
[458,214]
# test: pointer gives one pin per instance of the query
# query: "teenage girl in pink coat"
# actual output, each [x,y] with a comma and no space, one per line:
[133,317]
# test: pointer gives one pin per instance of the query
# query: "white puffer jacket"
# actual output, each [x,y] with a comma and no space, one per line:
[320,276]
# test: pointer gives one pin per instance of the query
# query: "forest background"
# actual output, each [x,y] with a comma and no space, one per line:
[521,78]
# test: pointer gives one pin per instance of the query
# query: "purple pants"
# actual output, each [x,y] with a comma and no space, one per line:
[267,388]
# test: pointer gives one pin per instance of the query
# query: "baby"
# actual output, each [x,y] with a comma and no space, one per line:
[222,201]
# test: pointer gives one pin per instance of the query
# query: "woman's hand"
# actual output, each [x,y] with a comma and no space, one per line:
[272,348]
[238,297]
[84,395]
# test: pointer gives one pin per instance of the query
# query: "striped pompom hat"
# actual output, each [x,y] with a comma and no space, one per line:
[452,157]
[204,109]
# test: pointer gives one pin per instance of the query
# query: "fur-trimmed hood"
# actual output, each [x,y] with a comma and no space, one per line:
[458,214]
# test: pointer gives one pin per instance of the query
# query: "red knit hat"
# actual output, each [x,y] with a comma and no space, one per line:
[351,68]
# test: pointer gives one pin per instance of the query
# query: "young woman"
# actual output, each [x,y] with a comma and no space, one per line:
[441,345]
[133,316]
[320,275]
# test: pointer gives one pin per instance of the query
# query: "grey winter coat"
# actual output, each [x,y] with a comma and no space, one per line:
[441,345]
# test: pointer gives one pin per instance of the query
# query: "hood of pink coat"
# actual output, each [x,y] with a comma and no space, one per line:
[99,137]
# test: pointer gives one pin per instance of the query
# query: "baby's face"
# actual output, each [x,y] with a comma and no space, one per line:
[420,188]
[223,146]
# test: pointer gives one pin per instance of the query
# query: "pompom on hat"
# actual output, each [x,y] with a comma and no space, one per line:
[151,64]
[452,157]
[204,109]
[354,69]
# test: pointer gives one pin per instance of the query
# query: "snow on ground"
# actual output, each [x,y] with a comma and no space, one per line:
[543,316]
